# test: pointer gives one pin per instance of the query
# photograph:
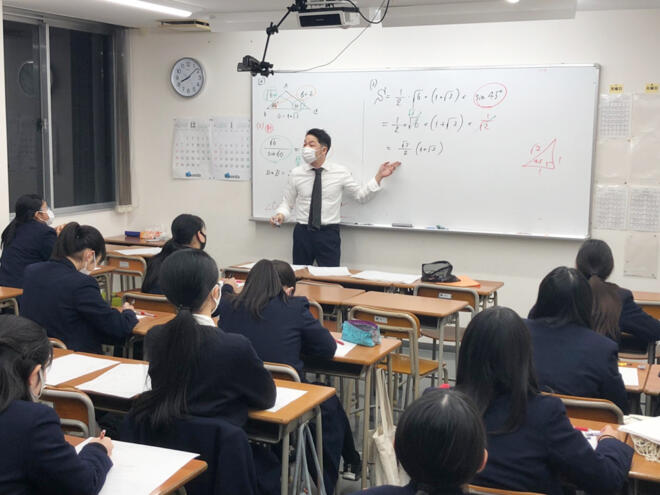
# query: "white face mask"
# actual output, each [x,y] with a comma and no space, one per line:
[86,269]
[51,216]
[217,303]
[308,154]
[42,384]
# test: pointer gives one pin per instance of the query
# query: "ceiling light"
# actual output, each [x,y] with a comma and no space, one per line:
[154,7]
[513,1]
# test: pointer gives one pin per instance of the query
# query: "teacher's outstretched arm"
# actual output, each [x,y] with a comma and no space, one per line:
[287,204]
[385,170]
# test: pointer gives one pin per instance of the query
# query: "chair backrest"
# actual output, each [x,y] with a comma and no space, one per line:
[149,302]
[134,266]
[316,310]
[482,490]
[221,444]
[397,324]
[282,371]
[74,408]
[466,294]
[57,343]
[592,409]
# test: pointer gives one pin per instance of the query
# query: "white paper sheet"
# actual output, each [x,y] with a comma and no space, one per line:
[125,381]
[648,429]
[343,349]
[640,255]
[405,278]
[139,251]
[592,437]
[614,116]
[645,113]
[644,209]
[140,469]
[298,267]
[629,375]
[72,366]
[329,271]
[285,396]
[644,159]
[612,161]
[610,207]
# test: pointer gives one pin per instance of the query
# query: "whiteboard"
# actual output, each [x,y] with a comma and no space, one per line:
[498,150]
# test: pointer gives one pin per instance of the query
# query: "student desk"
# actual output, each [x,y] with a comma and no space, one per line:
[347,281]
[125,240]
[190,471]
[640,469]
[649,301]
[359,362]
[652,387]
[150,320]
[642,376]
[487,290]
[8,297]
[240,272]
[275,427]
[113,248]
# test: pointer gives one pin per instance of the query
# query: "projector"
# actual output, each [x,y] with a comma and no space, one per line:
[322,13]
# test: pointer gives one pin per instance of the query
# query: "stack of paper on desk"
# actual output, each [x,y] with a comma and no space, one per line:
[125,381]
[140,469]
[404,278]
[649,429]
[72,366]
[329,271]
[285,396]
[630,376]
[139,251]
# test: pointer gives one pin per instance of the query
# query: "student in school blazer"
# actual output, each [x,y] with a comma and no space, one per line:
[575,360]
[636,321]
[33,243]
[35,457]
[69,305]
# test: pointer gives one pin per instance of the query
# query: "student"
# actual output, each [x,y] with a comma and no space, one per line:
[62,297]
[188,231]
[532,445]
[281,329]
[569,357]
[27,239]
[35,457]
[614,309]
[195,368]
[440,442]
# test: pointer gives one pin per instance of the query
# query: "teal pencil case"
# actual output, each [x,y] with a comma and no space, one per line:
[360,332]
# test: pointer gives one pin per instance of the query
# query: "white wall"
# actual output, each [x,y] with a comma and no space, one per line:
[4,179]
[625,43]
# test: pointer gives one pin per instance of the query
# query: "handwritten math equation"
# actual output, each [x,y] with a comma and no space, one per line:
[408,148]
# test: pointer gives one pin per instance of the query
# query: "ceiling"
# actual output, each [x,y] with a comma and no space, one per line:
[255,14]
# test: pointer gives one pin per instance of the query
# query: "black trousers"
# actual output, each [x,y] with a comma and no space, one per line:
[322,246]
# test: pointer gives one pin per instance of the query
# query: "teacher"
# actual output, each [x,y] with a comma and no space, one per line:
[314,194]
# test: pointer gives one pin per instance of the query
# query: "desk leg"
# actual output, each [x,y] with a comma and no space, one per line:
[319,439]
[441,338]
[14,303]
[365,424]
[284,476]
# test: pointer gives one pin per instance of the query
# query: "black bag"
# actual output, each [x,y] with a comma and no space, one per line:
[438,271]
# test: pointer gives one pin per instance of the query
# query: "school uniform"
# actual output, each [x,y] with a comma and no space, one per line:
[36,458]
[286,331]
[69,305]
[408,489]
[228,377]
[545,449]
[575,360]
[636,321]
[32,243]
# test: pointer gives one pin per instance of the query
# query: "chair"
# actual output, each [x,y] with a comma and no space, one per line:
[74,408]
[452,332]
[317,312]
[647,357]
[127,267]
[403,326]
[282,371]
[148,302]
[57,343]
[591,409]
[482,490]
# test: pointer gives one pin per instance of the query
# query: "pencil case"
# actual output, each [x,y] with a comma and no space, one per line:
[360,332]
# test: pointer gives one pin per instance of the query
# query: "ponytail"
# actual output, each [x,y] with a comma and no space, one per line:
[74,238]
[25,208]
[606,308]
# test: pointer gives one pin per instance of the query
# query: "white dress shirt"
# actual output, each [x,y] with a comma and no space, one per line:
[204,320]
[334,179]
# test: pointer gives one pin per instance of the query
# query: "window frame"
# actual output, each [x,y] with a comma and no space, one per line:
[45,22]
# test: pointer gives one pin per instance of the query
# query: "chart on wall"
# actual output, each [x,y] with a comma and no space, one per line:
[501,150]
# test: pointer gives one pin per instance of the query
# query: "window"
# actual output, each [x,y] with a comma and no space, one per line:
[60,122]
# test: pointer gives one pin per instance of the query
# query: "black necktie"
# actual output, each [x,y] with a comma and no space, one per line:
[314,221]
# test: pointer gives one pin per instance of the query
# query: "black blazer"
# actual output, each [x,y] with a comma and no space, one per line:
[575,360]
[286,330]
[635,321]
[33,243]
[228,378]
[69,305]
[546,448]
[35,458]
[409,489]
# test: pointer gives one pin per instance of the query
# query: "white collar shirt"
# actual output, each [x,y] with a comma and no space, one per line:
[204,320]
[335,179]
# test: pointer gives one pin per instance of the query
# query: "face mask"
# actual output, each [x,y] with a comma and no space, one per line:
[217,303]
[85,270]
[51,216]
[308,154]
[202,245]
[42,383]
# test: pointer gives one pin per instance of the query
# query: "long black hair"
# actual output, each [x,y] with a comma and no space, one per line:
[595,261]
[564,298]
[286,273]
[184,228]
[23,345]
[25,208]
[496,359]
[187,277]
[440,441]
[74,238]
[262,284]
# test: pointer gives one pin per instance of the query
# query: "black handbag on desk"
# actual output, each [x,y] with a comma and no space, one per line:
[438,271]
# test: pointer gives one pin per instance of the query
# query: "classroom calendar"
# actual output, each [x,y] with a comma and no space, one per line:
[217,148]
